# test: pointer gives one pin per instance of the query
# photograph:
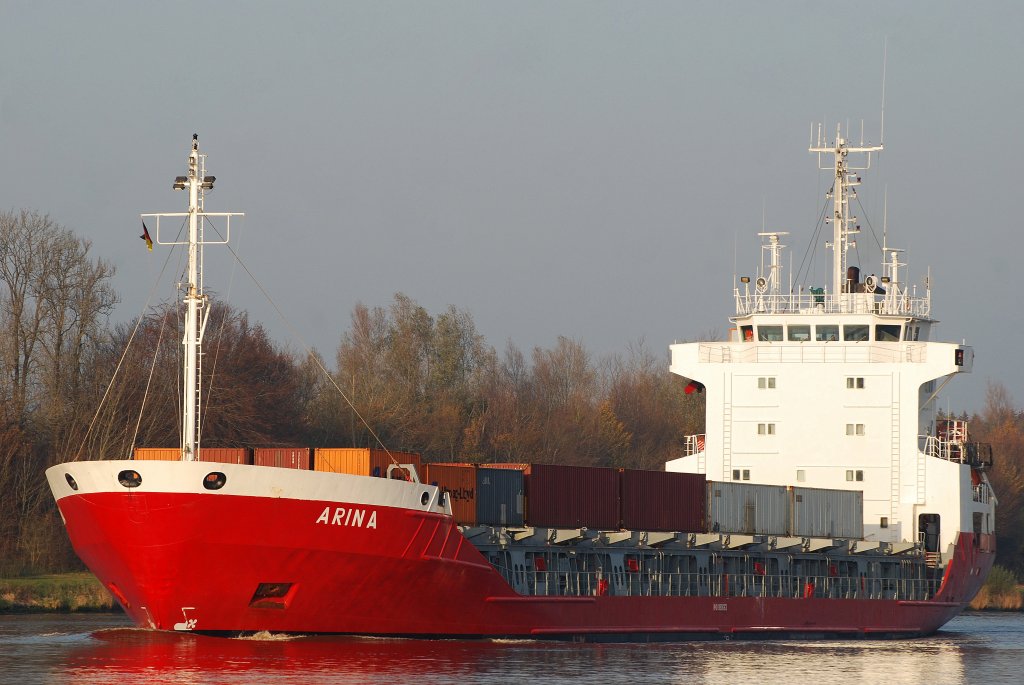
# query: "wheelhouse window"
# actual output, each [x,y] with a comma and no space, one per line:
[887,332]
[799,332]
[825,332]
[855,332]
[769,333]
[747,333]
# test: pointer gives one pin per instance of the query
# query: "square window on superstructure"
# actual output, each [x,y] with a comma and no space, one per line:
[801,475]
[859,475]
[849,475]
[798,332]
[746,474]
[766,382]
[735,474]
[884,522]
[860,429]
[855,332]
[855,382]
[887,332]
[825,332]
[855,429]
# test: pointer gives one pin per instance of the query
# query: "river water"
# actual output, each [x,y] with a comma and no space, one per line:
[104,648]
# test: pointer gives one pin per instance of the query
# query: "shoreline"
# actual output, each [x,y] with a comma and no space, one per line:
[64,593]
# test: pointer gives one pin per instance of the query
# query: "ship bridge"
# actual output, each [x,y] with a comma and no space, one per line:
[837,386]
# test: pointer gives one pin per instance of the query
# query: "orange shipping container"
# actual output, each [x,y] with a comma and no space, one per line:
[225,455]
[157,453]
[363,461]
[459,481]
[282,457]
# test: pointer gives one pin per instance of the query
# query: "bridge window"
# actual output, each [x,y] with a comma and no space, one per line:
[799,332]
[826,332]
[748,333]
[769,333]
[887,332]
[855,332]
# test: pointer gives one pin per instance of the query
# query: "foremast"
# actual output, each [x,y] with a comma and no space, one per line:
[197,310]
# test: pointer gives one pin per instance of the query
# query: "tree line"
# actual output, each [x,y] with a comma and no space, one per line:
[76,387]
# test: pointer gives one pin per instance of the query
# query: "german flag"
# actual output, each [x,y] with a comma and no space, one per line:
[145,236]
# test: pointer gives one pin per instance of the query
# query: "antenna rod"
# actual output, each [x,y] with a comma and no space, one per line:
[885,58]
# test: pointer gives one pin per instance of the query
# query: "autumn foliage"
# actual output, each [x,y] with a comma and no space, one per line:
[75,387]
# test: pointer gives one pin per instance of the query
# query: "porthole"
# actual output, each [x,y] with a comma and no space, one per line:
[71,481]
[214,480]
[425,498]
[129,479]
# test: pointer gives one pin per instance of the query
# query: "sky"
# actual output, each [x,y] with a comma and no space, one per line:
[594,170]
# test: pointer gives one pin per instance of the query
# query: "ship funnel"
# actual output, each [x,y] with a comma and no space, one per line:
[852,279]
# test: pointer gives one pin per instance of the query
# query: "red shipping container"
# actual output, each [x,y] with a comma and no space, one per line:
[572,497]
[459,482]
[283,457]
[663,501]
[225,455]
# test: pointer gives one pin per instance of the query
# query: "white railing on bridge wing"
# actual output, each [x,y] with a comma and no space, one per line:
[694,444]
[948,450]
[844,303]
[800,353]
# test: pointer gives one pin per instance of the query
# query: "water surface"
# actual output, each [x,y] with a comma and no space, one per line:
[104,648]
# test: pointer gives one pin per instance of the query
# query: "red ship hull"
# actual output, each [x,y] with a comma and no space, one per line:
[192,561]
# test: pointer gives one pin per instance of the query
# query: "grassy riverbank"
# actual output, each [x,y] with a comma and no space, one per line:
[1000,592]
[66,592]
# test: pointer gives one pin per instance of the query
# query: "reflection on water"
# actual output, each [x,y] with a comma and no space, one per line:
[973,649]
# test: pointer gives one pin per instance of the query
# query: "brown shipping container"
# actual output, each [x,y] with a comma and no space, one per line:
[157,453]
[225,455]
[363,461]
[514,466]
[283,457]
[459,481]
[663,501]
[572,497]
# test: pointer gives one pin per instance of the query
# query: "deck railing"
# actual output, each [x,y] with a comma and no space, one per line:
[666,584]
[825,303]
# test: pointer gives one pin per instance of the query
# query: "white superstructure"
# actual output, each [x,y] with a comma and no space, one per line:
[837,388]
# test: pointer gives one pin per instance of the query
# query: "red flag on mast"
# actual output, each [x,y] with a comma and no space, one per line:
[145,236]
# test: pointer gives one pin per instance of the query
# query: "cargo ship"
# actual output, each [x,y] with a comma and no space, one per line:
[828,497]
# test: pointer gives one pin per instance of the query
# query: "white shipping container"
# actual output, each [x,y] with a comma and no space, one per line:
[823,513]
[748,509]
